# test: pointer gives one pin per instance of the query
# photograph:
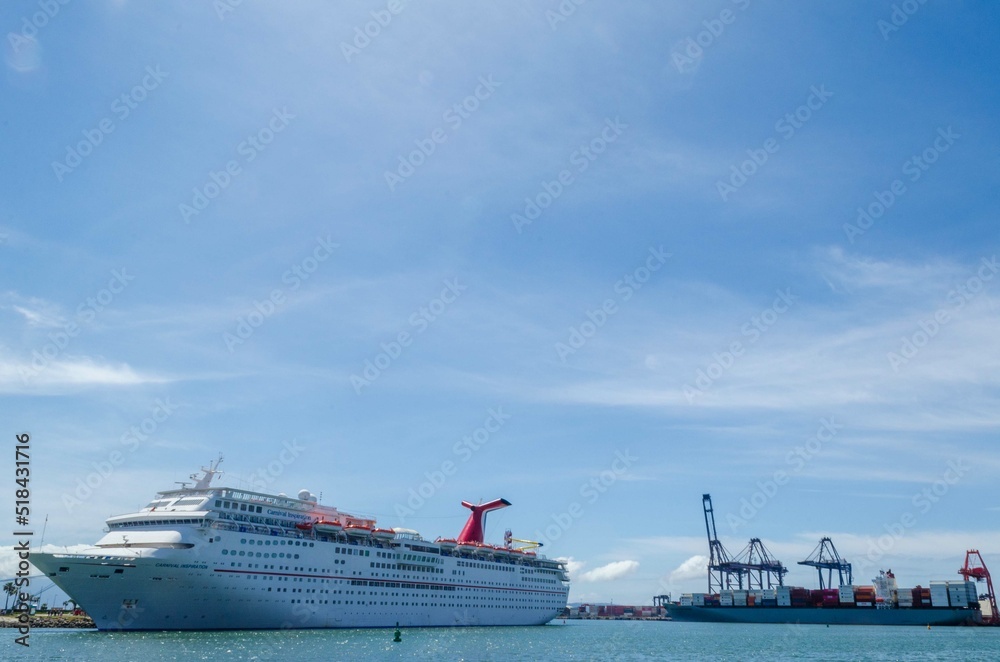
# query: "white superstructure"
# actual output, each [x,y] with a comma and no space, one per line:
[222,558]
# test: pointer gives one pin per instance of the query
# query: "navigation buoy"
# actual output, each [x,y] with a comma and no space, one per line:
[397,636]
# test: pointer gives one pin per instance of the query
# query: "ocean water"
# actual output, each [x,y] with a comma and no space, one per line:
[574,640]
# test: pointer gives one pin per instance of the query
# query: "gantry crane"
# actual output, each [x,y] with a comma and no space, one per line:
[721,567]
[975,570]
[761,569]
[825,557]
[753,568]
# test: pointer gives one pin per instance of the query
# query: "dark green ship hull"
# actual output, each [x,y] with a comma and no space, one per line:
[826,615]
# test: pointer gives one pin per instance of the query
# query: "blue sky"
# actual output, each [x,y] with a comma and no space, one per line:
[633,252]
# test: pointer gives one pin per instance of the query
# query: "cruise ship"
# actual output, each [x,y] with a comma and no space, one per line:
[219,558]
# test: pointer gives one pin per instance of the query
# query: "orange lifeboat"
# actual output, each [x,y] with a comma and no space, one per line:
[327,526]
[357,530]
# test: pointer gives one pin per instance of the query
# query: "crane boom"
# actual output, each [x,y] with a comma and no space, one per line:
[825,557]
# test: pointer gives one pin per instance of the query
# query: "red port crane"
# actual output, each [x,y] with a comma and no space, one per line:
[975,570]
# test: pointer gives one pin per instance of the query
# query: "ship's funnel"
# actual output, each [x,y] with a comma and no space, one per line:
[473,530]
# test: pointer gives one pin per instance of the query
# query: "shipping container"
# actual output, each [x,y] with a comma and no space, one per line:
[939,599]
[973,592]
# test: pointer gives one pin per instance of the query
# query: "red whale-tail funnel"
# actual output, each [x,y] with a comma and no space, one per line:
[473,530]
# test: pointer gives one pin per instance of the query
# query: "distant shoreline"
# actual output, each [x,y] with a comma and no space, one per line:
[50,621]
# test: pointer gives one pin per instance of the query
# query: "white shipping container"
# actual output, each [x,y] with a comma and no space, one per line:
[698,599]
[739,600]
[686,600]
[784,601]
[784,590]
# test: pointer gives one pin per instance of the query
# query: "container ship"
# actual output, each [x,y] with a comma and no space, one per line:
[219,558]
[882,603]
[760,595]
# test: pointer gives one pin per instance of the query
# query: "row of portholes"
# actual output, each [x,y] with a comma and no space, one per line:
[266,555]
[244,541]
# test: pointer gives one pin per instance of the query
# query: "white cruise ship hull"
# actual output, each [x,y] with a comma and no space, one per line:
[200,588]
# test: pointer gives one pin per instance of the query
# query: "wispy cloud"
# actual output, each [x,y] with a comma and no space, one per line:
[610,572]
[70,373]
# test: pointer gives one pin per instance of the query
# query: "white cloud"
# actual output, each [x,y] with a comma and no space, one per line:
[37,317]
[37,313]
[572,566]
[695,567]
[821,355]
[18,376]
[613,570]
